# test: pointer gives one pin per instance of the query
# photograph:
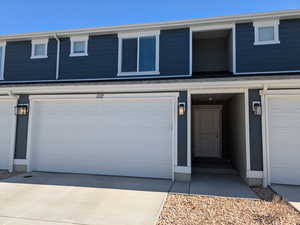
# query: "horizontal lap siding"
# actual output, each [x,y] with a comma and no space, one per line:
[174,52]
[20,67]
[101,62]
[267,58]
[256,151]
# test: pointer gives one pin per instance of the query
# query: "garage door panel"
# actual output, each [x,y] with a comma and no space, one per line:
[7,123]
[116,138]
[284,141]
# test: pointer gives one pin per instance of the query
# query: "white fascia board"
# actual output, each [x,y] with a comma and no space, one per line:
[175,86]
[133,34]
[79,38]
[157,25]
[39,41]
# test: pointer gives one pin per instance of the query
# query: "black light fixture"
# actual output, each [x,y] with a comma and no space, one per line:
[181,108]
[256,108]
[22,109]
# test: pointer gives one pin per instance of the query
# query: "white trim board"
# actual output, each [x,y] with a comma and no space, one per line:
[183,169]
[138,35]
[20,162]
[2,61]
[274,23]
[74,39]
[35,42]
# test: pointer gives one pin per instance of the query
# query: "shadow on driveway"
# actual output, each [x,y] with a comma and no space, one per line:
[92,181]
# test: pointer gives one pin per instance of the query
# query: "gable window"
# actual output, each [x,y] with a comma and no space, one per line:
[2,57]
[139,53]
[39,48]
[266,32]
[79,46]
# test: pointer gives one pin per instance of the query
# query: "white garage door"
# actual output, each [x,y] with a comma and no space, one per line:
[113,136]
[284,139]
[7,124]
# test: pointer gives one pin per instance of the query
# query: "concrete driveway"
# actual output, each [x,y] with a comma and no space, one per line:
[219,185]
[65,199]
[290,193]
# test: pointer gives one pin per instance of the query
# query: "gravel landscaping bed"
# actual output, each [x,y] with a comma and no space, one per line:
[203,210]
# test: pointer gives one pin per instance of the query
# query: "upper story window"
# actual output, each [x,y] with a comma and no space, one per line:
[266,32]
[2,57]
[79,46]
[138,53]
[39,48]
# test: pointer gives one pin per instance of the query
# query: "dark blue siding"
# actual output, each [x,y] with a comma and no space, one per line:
[101,62]
[256,155]
[265,58]
[182,133]
[21,131]
[174,52]
[19,66]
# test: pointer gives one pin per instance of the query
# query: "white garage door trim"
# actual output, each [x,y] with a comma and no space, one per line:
[13,101]
[171,97]
[265,98]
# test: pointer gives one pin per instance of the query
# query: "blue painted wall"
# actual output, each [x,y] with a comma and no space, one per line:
[182,133]
[101,62]
[174,52]
[21,131]
[19,66]
[256,151]
[265,58]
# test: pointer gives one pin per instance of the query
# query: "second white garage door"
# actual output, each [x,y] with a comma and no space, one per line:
[8,125]
[284,139]
[113,136]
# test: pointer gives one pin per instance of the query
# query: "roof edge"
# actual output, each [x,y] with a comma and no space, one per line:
[155,25]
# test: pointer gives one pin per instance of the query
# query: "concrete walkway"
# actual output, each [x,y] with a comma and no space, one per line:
[65,199]
[290,193]
[220,185]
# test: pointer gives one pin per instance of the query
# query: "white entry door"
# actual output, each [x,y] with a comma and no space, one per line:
[126,136]
[206,125]
[7,133]
[284,138]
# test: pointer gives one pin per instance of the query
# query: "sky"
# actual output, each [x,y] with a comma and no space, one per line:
[23,16]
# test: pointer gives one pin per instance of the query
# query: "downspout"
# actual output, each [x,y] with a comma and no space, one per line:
[57,56]
[266,177]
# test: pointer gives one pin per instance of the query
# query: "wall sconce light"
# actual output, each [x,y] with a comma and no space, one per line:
[22,109]
[181,108]
[256,107]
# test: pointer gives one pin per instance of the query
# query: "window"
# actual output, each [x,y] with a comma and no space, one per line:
[79,46]
[266,32]
[2,57]
[39,48]
[139,53]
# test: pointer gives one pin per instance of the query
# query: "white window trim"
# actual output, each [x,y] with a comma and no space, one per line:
[266,23]
[79,38]
[36,42]
[2,62]
[122,36]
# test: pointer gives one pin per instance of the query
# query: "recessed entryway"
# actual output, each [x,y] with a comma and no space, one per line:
[218,134]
